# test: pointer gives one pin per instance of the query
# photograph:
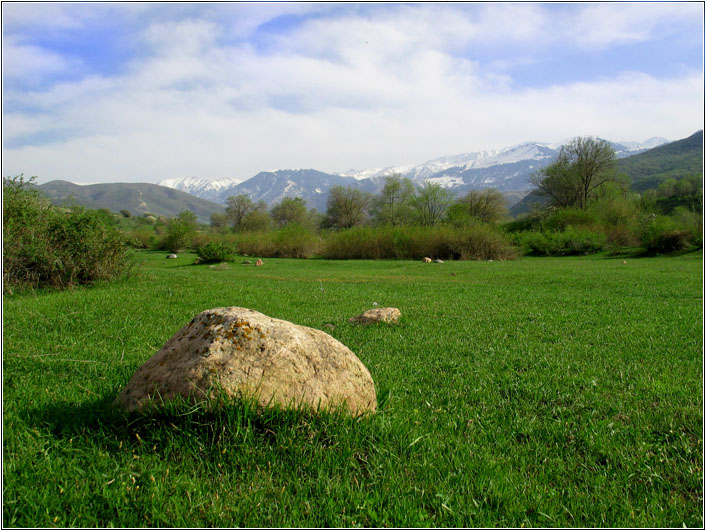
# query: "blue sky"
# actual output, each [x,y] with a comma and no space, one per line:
[139,92]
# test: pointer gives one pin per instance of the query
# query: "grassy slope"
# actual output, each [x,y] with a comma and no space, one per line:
[542,392]
[674,160]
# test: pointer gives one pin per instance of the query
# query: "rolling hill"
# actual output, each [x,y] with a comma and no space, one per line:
[674,160]
[138,198]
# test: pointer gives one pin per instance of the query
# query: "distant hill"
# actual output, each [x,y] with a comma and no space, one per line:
[647,169]
[138,198]
[674,160]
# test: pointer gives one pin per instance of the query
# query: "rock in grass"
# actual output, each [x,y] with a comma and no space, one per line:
[171,256]
[438,261]
[426,260]
[377,315]
[248,354]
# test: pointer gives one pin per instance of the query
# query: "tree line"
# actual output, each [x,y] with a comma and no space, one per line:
[400,202]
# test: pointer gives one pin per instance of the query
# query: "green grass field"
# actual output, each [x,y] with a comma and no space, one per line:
[539,392]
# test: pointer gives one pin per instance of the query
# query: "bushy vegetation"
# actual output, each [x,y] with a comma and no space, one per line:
[44,246]
[444,242]
[216,251]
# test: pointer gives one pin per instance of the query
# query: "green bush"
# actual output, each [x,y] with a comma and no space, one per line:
[569,242]
[471,243]
[563,218]
[295,241]
[216,252]
[292,241]
[663,235]
[46,247]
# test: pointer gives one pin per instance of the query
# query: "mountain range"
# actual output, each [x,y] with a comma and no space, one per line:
[137,198]
[507,170]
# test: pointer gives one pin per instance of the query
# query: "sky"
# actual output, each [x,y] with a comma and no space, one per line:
[140,92]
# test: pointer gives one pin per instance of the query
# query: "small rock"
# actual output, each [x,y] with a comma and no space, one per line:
[438,261]
[624,262]
[220,267]
[258,263]
[377,315]
[171,256]
[426,260]
[248,354]
[246,262]
[329,326]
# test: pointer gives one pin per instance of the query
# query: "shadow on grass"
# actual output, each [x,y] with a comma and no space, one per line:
[215,423]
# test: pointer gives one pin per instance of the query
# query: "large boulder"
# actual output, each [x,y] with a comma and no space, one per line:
[377,315]
[248,354]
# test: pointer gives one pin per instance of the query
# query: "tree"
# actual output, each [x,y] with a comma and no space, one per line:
[487,205]
[291,210]
[256,221]
[582,167]
[346,207]
[219,220]
[431,202]
[180,231]
[237,207]
[392,206]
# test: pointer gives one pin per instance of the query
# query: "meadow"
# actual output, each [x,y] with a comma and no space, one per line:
[542,392]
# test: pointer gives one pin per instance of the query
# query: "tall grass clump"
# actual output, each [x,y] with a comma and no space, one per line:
[449,243]
[47,247]
[292,241]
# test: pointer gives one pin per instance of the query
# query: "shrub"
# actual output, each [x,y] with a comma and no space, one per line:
[46,247]
[295,241]
[663,235]
[472,243]
[180,232]
[569,242]
[563,218]
[216,252]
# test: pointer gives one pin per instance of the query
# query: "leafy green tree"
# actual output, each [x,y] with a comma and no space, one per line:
[237,207]
[430,203]
[392,205]
[219,220]
[582,167]
[180,231]
[256,221]
[291,210]
[346,207]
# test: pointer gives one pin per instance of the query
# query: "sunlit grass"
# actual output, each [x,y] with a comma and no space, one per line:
[539,392]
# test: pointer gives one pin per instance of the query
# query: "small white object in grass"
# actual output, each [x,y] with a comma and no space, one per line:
[375,303]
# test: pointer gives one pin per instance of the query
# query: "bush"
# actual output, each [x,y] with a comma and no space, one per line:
[569,242]
[46,247]
[293,241]
[563,218]
[216,252]
[472,243]
[663,235]
[180,232]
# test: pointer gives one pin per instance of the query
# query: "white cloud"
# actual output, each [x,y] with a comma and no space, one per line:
[335,92]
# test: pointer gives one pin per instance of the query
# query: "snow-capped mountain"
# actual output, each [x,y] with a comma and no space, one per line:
[507,170]
[202,187]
